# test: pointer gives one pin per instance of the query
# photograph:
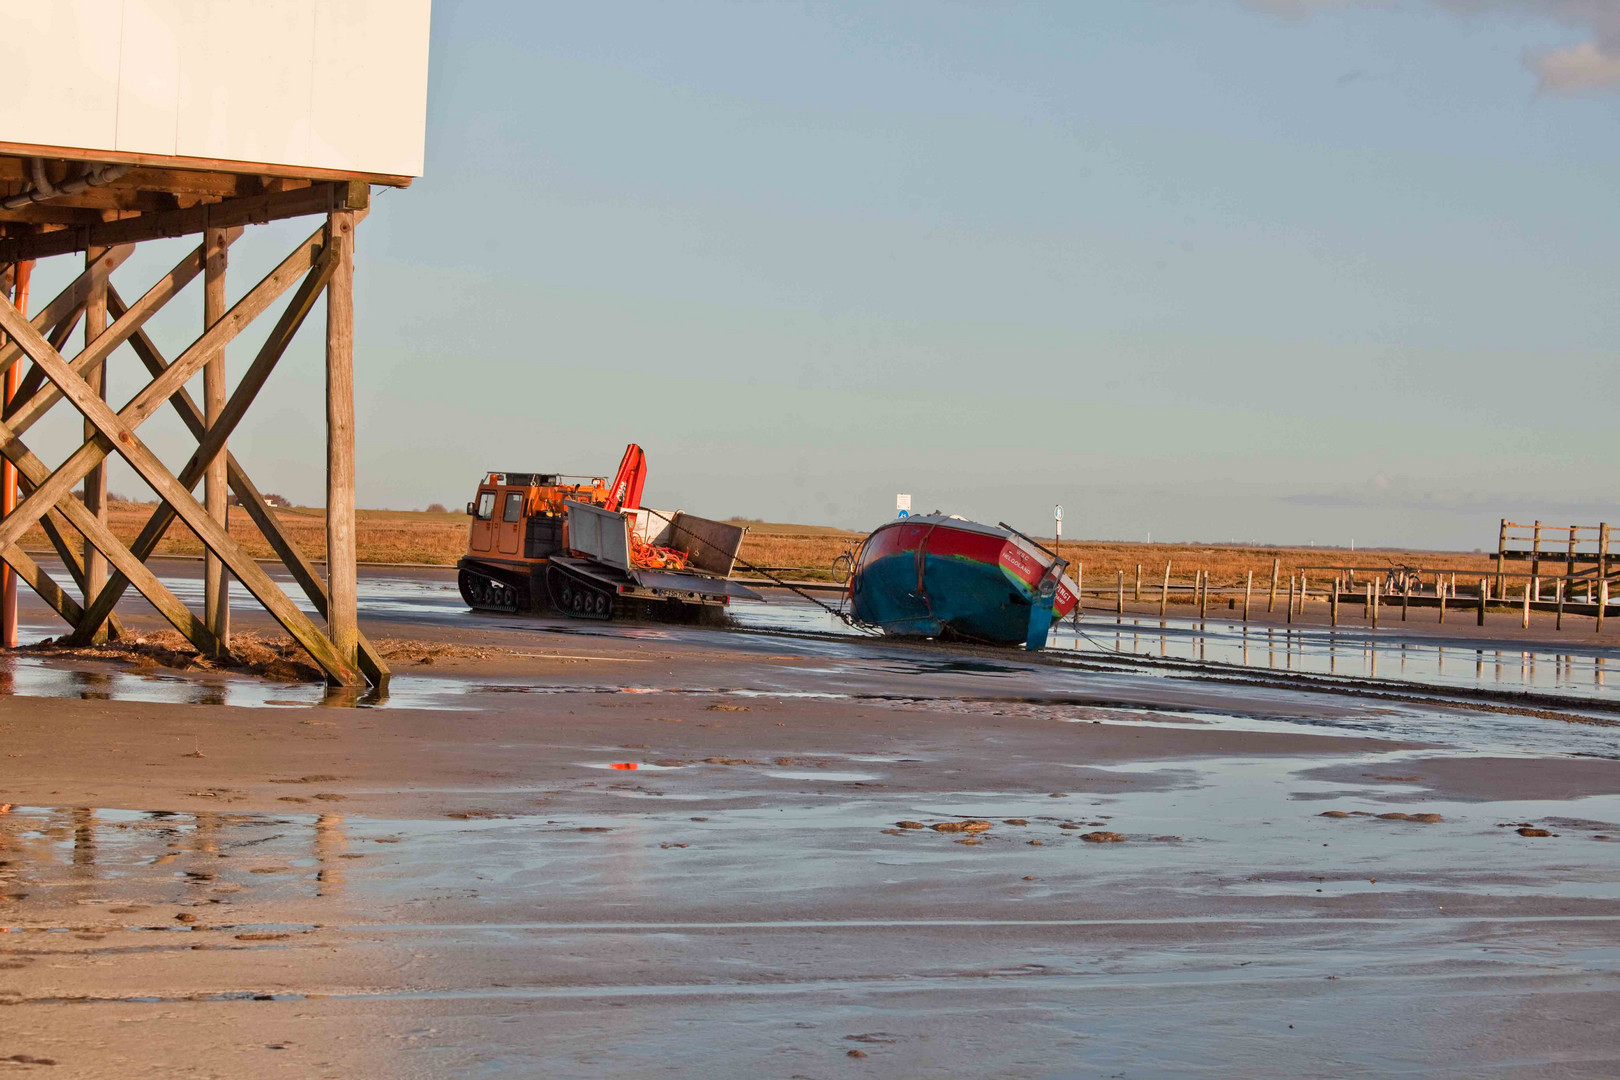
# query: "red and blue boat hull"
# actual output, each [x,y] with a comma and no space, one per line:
[940,576]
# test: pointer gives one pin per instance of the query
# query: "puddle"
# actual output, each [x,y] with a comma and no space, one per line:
[825,774]
[628,766]
[27,676]
[1576,669]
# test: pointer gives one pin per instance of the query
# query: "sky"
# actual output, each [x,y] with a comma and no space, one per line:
[1295,271]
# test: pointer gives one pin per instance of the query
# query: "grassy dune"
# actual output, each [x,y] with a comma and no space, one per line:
[411,536]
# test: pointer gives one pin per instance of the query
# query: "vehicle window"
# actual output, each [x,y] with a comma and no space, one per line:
[514,506]
[486,505]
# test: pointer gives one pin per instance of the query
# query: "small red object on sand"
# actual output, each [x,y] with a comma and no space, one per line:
[622,765]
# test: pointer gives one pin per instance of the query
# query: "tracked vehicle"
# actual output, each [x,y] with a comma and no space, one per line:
[587,548]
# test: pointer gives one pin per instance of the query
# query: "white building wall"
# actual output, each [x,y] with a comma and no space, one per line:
[328,84]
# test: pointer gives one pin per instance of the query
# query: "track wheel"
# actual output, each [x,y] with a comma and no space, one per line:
[602,603]
[578,604]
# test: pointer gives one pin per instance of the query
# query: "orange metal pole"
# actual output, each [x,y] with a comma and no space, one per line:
[8,478]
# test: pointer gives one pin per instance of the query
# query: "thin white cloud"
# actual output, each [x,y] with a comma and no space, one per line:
[1586,67]
[1578,69]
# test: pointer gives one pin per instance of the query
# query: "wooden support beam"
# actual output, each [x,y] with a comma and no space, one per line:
[68,301]
[216,586]
[157,594]
[162,387]
[211,438]
[95,377]
[342,617]
[263,515]
[115,335]
[246,210]
[113,431]
[56,528]
[197,165]
[43,584]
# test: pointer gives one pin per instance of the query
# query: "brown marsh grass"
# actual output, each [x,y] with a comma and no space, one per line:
[806,551]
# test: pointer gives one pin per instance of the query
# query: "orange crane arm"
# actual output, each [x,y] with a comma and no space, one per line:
[625,494]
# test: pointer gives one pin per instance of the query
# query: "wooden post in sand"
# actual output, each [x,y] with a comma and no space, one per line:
[1377,594]
[1137,595]
[1119,597]
[1558,591]
[1527,605]
[1164,590]
[1303,587]
[1484,597]
[1333,604]
[1440,595]
[1290,597]
[1079,584]
[1248,589]
[1203,597]
[1406,598]
[1366,603]
[1271,605]
[1603,573]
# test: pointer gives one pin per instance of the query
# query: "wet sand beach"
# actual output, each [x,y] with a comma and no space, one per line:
[1140,871]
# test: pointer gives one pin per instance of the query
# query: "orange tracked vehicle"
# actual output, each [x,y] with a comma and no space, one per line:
[587,548]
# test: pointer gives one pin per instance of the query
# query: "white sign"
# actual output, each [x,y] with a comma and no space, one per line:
[902,505]
[1057,512]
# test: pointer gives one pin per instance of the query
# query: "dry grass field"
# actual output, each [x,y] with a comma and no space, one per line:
[803,551]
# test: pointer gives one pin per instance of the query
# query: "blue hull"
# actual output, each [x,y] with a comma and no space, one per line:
[972,599]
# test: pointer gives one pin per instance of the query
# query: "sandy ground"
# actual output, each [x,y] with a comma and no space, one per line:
[202,874]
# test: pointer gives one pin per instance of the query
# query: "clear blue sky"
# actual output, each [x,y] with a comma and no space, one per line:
[1280,270]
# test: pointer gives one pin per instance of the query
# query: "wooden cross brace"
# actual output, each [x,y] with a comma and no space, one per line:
[50,492]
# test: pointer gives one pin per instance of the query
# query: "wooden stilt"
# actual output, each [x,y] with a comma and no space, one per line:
[113,430]
[216,587]
[252,501]
[69,300]
[95,481]
[21,275]
[342,617]
[143,207]
[1248,591]
[1276,567]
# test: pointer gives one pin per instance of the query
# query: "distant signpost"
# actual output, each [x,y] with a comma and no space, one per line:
[902,505]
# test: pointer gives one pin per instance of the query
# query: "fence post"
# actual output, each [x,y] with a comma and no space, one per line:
[1501,554]
[1603,572]
[1164,590]
[1079,587]
[1484,597]
[1440,592]
[1290,597]
[1137,596]
[1119,598]
[1303,587]
[1248,588]
[1527,605]
[1366,601]
[1203,597]
[1271,605]
[1377,594]
[1333,604]
[1559,625]
[1535,559]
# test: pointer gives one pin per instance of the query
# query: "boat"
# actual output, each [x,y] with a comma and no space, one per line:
[943,576]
